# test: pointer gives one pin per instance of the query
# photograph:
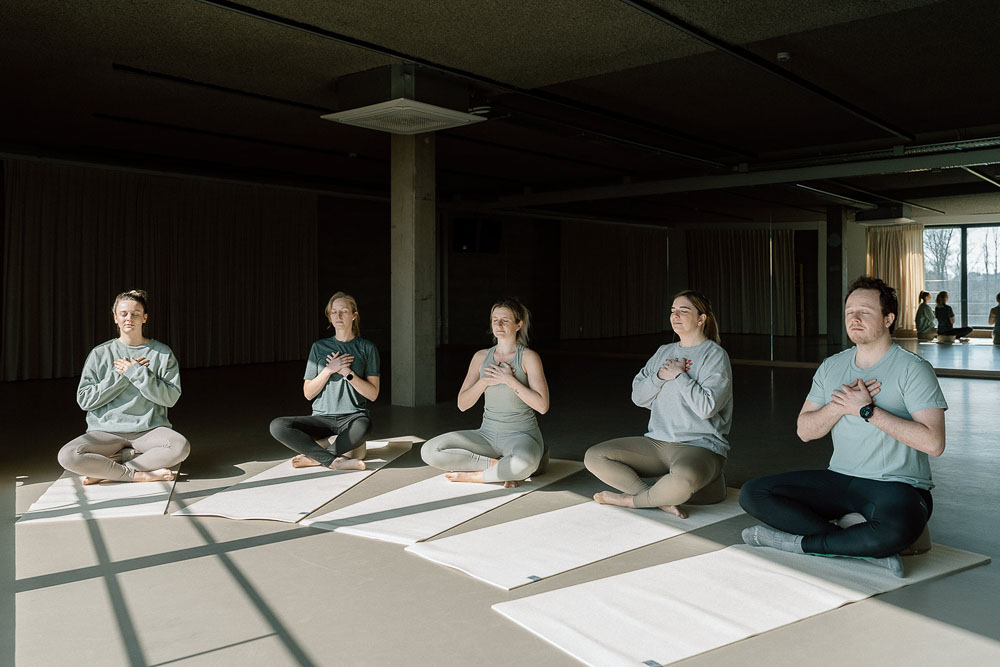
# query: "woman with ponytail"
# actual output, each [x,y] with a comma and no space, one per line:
[126,386]
[508,447]
[687,386]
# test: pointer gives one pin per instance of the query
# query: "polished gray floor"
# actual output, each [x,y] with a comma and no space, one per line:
[206,591]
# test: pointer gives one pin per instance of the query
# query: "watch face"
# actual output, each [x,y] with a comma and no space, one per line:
[867,412]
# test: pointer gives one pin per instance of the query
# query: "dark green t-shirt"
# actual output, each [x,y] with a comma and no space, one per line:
[338,396]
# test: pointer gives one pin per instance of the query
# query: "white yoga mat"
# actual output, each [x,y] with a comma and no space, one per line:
[520,552]
[425,509]
[284,493]
[673,611]
[68,499]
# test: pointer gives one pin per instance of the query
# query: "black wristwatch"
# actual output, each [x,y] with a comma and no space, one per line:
[350,376]
[867,411]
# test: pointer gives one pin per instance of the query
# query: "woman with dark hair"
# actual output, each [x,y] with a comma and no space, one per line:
[687,386]
[508,447]
[946,318]
[126,386]
[925,318]
[341,379]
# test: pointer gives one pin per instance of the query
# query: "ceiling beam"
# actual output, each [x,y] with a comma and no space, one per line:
[889,165]
[549,98]
[752,59]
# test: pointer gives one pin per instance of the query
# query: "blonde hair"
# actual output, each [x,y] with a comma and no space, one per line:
[704,307]
[137,295]
[521,315]
[356,322]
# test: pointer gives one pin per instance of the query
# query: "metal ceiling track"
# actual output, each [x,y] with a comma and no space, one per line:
[548,98]
[754,60]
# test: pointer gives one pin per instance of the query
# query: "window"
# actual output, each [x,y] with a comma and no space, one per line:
[965,262]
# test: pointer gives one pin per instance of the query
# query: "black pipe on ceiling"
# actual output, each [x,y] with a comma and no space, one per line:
[549,98]
[754,60]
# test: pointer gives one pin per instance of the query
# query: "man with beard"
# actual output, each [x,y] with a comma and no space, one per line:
[885,410]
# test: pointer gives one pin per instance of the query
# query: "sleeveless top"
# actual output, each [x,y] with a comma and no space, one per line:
[503,410]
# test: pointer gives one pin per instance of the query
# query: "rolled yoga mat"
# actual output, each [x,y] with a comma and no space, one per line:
[673,611]
[68,499]
[520,552]
[284,493]
[420,511]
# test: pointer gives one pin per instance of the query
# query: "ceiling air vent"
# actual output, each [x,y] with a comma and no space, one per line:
[402,99]
[404,116]
[885,214]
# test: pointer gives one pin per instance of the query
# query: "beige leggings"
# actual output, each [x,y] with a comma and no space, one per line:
[685,469]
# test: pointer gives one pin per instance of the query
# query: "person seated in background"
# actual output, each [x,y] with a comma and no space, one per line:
[946,319]
[885,410]
[995,321]
[925,318]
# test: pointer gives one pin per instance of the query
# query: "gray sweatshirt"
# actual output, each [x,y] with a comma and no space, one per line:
[136,400]
[696,407]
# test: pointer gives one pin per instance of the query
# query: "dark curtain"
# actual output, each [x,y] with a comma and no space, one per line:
[613,280]
[733,267]
[230,269]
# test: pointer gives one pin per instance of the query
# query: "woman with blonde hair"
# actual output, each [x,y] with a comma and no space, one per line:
[687,386]
[341,380]
[126,387]
[508,446]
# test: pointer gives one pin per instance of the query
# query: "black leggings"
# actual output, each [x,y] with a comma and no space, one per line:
[960,332]
[301,433]
[804,502]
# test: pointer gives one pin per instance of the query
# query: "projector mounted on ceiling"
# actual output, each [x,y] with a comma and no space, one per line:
[389,99]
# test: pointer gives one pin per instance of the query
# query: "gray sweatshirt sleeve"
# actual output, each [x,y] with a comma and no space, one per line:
[646,385]
[100,383]
[158,385]
[713,389]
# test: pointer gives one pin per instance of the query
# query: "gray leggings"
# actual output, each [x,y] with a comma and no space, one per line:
[521,453]
[116,456]
[685,469]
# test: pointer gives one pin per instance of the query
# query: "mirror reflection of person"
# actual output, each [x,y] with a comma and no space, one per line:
[508,447]
[687,386]
[925,318]
[946,319]
[341,380]
[126,387]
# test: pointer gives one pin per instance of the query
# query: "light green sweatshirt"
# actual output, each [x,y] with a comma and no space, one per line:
[136,400]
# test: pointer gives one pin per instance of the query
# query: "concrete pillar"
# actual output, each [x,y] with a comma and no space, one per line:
[836,227]
[414,270]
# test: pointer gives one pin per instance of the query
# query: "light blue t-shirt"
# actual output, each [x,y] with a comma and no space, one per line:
[338,396]
[696,407]
[863,450]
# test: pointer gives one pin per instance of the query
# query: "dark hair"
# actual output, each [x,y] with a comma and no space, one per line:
[521,315]
[940,299]
[137,295]
[704,307]
[356,322]
[886,296]
[922,295]
[998,297]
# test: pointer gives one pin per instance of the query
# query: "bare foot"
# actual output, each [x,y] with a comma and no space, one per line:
[675,510]
[612,498]
[343,463]
[92,480]
[303,461]
[158,475]
[476,476]
[512,484]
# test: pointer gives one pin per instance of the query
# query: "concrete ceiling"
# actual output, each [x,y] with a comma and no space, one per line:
[589,98]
